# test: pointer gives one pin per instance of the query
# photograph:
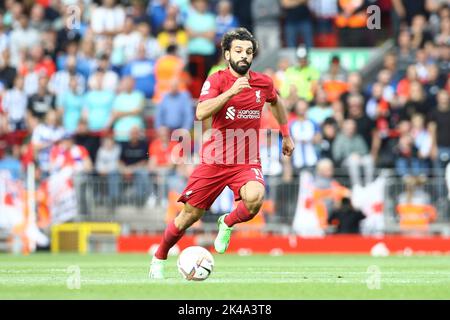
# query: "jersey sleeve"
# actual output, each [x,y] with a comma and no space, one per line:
[272,94]
[210,88]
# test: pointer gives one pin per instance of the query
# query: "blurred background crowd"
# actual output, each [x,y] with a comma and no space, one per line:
[100,85]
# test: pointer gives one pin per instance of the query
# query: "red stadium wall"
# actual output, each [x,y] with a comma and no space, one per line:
[292,244]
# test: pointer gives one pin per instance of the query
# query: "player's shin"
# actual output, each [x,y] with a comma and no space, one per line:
[238,215]
[171,236]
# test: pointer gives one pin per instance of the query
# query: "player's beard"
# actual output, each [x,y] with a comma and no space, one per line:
[239,67]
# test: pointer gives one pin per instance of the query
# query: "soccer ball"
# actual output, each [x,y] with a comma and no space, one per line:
[195,263]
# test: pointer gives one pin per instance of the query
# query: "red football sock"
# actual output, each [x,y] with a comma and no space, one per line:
[238,215]
[171,236]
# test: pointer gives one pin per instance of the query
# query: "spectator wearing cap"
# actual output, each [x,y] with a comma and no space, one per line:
[107,78]
[70,105]
[301,79]
[176,109]
[14,104]
[298,22]
[127,109]
[334,81]
[142,70]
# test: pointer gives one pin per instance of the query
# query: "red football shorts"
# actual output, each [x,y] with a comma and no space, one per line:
[207,182]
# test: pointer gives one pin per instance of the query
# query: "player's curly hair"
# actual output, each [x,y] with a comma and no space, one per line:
[238,34]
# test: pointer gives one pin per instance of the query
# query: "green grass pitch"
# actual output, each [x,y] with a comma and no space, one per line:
[124,276]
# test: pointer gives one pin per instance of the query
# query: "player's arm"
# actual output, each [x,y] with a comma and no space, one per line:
[279,113]
[207,108]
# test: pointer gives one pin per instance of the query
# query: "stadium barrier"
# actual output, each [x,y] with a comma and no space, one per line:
[150,210]
[278,244]
[29,209]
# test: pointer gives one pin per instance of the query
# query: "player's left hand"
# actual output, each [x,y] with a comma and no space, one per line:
[288,146]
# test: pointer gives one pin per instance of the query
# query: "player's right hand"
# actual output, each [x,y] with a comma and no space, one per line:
[239,85]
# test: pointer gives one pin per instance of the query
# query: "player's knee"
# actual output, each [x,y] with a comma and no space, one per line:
[254,207]
[253,199]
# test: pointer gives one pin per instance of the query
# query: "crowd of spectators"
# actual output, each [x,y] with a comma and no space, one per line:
[87,71]
[398,121]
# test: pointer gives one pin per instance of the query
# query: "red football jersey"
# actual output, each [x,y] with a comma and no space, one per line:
[235,128]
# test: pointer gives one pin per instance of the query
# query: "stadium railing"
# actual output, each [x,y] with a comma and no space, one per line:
[148,211]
